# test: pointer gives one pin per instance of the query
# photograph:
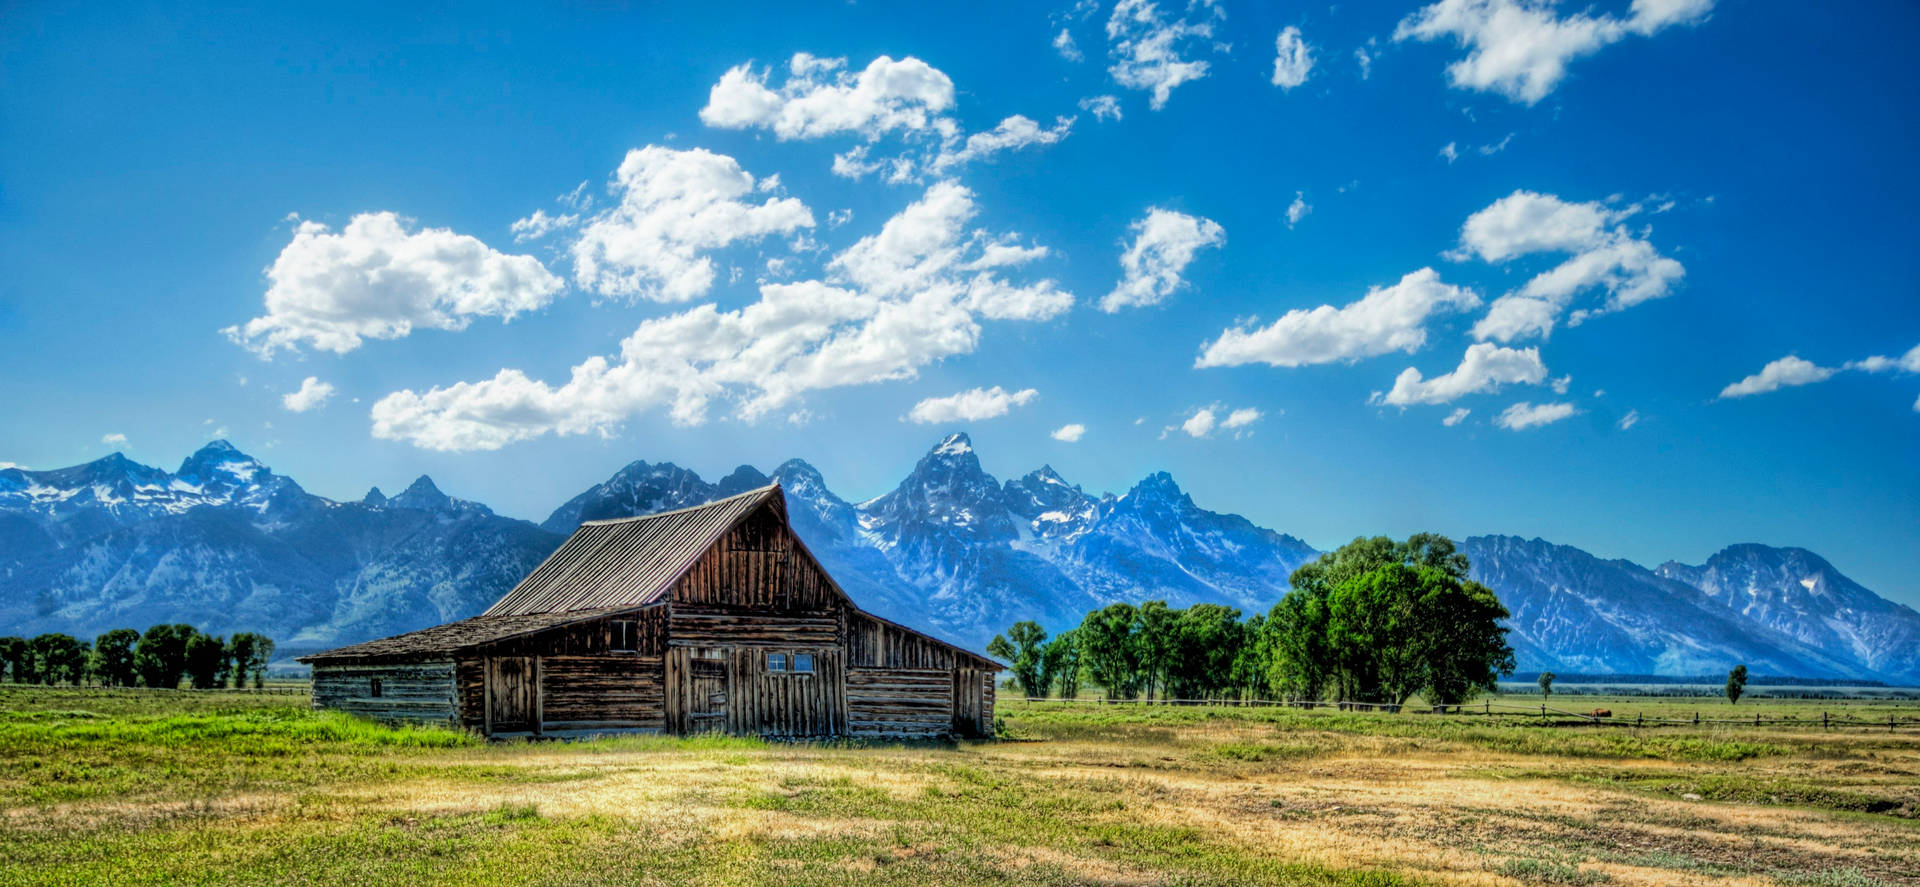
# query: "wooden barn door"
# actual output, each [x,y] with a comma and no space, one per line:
[513,694]
[969,709]
[707,691]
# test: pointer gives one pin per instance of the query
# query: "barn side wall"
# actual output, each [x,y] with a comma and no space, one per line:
[903,684]
[585,684]
[409,691]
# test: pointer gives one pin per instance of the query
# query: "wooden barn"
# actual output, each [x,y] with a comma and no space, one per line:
[706,619]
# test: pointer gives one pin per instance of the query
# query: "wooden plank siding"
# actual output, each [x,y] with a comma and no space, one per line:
[899,702]
[409,691]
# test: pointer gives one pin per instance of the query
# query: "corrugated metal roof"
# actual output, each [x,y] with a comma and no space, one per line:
[627,562]
[457,635]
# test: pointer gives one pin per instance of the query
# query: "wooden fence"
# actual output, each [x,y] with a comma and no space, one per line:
[102,690]
[1540,714]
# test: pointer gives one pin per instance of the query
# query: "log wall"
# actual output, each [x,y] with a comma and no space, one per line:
[409,691]
[899,702]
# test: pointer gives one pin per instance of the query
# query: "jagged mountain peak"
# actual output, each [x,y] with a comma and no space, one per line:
[954,444]
[422,494]
[1158,488]
[374,498]
[220,462]
[740,480]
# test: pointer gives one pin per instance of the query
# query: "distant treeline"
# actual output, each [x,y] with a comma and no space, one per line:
[1764,680]
[1377,621]
[124,657]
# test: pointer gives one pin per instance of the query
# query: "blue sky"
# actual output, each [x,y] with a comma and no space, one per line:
[1660,254]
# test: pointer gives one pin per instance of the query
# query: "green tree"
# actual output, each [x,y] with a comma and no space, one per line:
[206,661]
[1373,634]
[1546,685]
[1060,664]
[1299,664]
[16,658]
[113,657]
[1207,640]
[262,654]
[1022,652]
[1110,650]
[1736,684]
[1457,623]
[59,657]
[1155,638]
[1250,662]
[161,657]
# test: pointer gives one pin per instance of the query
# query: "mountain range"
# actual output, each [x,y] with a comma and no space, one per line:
[226,544]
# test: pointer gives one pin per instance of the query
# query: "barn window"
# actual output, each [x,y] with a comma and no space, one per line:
[624,639]
[776,662]
[373,687]
[803,663]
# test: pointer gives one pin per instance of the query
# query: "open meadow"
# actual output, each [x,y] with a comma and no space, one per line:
[142,787]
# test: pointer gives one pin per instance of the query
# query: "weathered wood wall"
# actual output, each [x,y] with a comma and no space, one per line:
[409,691]
[757,565]
[899,702]
[973,701]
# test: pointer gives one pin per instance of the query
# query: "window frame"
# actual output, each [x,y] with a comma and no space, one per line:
[778,663]
[628,627]
[375,688]
[794,663]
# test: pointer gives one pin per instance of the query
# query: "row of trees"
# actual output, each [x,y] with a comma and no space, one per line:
[1377,621]
[124,657]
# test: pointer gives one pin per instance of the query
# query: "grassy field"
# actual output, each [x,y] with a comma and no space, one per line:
[147,788]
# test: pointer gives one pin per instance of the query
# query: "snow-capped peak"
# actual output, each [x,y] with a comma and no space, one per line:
[955,444]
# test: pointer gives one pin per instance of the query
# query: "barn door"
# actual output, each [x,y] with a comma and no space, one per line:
[513,694]
[967,707]
[707,692]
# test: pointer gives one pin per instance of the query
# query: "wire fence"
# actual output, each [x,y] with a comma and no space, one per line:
[103,690]
[1541,714]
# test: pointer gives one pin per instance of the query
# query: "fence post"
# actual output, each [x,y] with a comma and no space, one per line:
[1696,719]
[1756,719]
[1639,720]
[1823,721]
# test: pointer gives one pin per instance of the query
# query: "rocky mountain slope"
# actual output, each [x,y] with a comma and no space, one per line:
[227,544]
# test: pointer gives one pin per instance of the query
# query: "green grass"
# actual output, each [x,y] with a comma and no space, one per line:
[225,789]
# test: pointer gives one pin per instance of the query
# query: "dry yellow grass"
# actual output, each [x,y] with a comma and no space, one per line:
[1122,798]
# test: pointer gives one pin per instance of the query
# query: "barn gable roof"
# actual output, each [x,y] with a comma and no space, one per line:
[628,562]
[454,636]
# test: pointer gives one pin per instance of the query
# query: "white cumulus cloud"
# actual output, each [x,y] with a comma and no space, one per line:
[540,224]
[1605,256]
[1071,433]
[1292,59]
[1152,51]
[113,440]
[821,97]
[312,394]
[1485,367]
[1012,134]
[1786,372]
[1525,415]
[671,209]
[373,279]
[1102,107]
[911,295]
[1520,48]
[971,405]
[1063,44]
[1298,209]
[1164,244]
[1456,417]
[1386,319]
